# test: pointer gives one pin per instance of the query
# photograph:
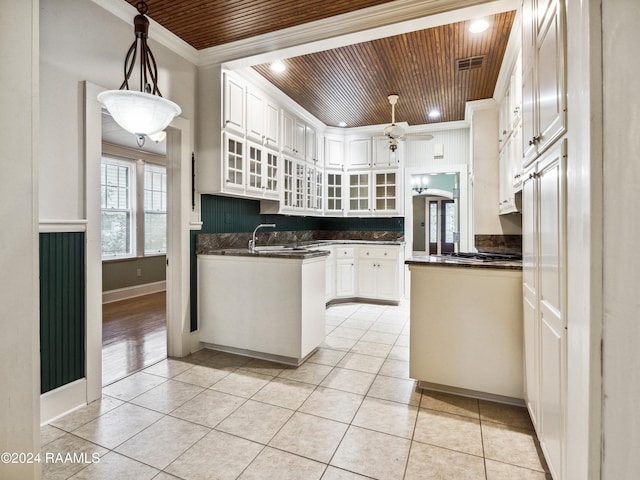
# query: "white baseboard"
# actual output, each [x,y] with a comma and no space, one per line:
[62,400]
[132,292]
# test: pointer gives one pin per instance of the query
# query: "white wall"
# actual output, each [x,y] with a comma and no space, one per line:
[82,41]
[621,272]
[419,153]
[486,173]
[19,320]
[584,240]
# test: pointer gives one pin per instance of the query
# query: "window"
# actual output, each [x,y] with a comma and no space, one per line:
[134,208]
[117,193]
[155,209]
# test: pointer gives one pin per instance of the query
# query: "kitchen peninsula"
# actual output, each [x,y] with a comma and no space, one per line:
[466,332]
[265,303]
[270,303]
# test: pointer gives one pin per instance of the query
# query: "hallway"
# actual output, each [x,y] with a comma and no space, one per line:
[134,335]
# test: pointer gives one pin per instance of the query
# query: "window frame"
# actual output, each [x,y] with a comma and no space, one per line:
[126,156]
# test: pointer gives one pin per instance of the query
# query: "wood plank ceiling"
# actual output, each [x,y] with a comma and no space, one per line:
[351,84]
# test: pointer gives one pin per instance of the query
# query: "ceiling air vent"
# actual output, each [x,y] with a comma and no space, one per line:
[469,63]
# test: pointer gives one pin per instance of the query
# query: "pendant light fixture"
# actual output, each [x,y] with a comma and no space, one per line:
[144,112]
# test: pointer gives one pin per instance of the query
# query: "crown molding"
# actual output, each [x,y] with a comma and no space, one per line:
[392,18]
[126,12]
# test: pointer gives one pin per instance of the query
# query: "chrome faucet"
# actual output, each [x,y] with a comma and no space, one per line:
[252,242]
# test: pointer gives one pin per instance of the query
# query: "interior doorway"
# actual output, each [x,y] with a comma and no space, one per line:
[435,213]
[134,194]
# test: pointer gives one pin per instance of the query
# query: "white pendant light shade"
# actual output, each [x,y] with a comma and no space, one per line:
[138,112]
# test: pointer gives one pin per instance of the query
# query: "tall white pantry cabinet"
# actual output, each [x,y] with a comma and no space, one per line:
[544,224]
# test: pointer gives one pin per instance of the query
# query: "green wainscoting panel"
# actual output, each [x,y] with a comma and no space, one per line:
[62,308]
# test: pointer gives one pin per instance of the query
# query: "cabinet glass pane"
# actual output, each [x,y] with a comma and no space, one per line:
[353,204]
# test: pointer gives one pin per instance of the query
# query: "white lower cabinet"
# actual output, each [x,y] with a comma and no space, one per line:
[378,273]
[330,277]
[372,272]
[345,272]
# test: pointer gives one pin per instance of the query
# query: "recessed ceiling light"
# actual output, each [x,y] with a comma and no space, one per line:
[278,66]
[479,25]
[342,124]
[434,114]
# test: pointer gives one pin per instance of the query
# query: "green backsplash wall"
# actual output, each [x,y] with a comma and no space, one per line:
[235,215]
[62,308]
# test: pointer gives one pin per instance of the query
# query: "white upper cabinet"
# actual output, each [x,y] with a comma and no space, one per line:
[262,118]
[358,152]
[233,104]
[543,79]
[334,152]
[383,157]
[272,123]
[255,115]
[311,144]
[385,193]
[293,135]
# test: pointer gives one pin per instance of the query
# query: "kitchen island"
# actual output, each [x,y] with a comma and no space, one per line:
[466,329]
[266,304]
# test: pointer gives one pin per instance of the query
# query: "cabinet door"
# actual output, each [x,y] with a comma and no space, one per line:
[288,201]
[529,285]
[300,130]
[334,152]
[271,124]
[254,168]
[333,198]
[255,115]
[233,149]
[345,281]
[359,192]
[233,110]
[385,191]
[387,287]
[359,152]
[300,184]
[529,149]
[288,132]
[515,158]
[382,154]
[271,171]
[311,146]
[367,278]
[551,96]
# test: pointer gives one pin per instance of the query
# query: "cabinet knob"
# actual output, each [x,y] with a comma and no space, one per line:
[534,140]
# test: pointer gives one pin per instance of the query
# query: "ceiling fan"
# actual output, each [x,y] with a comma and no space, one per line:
[396,132]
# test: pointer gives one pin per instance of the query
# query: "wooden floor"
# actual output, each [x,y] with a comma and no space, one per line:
[134,335]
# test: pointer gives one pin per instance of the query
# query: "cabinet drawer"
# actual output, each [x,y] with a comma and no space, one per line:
[377,252]
[344,252]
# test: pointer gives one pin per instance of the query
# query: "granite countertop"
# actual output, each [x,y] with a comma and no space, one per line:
[444,261]
[319,243]
[286,252]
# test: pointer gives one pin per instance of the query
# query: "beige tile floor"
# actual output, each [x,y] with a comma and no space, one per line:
[350,412]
